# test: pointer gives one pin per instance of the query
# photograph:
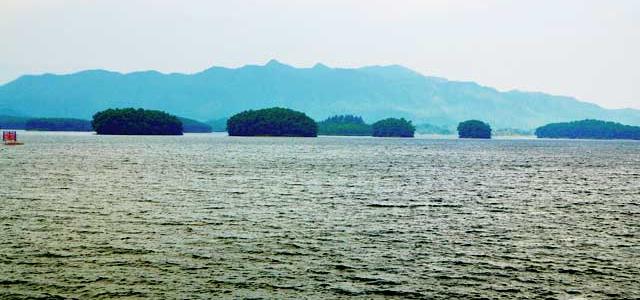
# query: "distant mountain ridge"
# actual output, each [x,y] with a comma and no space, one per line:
[373,92]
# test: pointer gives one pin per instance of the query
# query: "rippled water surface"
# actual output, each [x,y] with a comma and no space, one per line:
[206,216]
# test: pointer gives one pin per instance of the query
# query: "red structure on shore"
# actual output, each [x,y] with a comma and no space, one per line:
[10,138]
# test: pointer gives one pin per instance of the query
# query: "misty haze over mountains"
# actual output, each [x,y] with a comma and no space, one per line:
[373,92]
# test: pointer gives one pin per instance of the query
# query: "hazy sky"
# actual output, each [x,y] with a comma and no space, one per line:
[587,49]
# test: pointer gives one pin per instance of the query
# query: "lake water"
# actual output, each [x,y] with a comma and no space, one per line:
[210,216]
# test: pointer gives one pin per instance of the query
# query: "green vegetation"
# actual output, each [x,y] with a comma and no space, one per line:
[347,125]
[589,129]
[432,129]
[193,126]
[131,121]
[393,127]
[272,122]
[218,125]
[11,122]
[58,124]
[474,129]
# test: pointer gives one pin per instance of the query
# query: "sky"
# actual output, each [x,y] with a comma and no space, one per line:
[589,49]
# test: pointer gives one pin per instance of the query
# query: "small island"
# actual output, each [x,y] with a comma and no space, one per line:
[474,129]
[393,127]
[274,121]
[589,129]
[131,121]
[344,125]
[193,126]
[58,124]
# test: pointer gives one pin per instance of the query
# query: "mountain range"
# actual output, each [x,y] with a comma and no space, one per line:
[373,92]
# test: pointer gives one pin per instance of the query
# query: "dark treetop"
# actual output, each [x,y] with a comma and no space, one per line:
[130,121]
[58,124]
[193,126]
[474,129]
[344,125]
[393,127]
[589,129]
[272,122]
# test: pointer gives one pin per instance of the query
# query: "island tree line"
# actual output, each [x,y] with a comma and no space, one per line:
[279,121]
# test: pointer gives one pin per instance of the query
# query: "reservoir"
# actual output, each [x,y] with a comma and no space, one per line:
[206,216]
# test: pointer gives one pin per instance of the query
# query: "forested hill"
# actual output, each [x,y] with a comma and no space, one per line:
[373,92]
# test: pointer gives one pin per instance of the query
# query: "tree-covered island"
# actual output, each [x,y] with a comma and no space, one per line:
[131,121]
[58,124]
[474,129]
[589,129]
[393,127]
[346,125]
[274,121]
